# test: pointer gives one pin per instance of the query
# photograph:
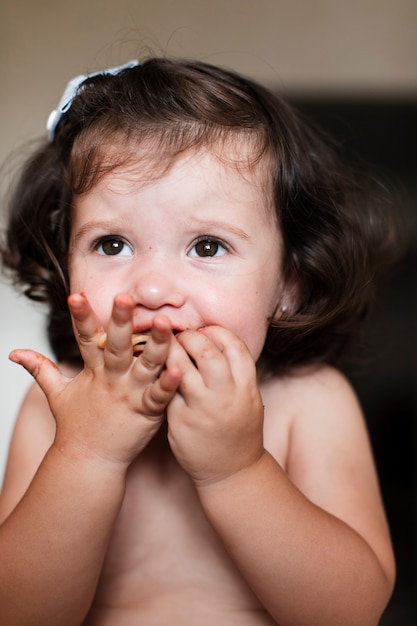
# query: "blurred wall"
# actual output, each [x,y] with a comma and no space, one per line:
[313,47]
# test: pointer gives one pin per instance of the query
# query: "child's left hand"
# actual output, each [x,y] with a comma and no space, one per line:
[215,421]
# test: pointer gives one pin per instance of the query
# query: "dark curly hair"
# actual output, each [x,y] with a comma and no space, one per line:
[334,235]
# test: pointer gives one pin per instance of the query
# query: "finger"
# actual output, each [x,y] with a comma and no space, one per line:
[155,353]
[179,357]
[118,353]
[87,329]
[234,350]
[207,356]
[158,395]
[44,371]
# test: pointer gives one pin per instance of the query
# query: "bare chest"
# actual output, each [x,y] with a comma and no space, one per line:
[164,561]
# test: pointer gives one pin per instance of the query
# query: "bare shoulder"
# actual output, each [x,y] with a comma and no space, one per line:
[325,409]
[324,423]
[309,397]
[33,435]
[328,454]
[299,396]
[34,428]
[301,385]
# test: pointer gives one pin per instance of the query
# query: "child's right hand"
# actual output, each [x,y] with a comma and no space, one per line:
[117,403]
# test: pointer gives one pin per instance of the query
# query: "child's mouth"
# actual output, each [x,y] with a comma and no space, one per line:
[138,342]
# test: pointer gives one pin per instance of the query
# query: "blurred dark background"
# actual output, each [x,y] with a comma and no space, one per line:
[384,372]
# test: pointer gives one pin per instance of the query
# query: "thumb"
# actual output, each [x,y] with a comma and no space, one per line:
[44,371]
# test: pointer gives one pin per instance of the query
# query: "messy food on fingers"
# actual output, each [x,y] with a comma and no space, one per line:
[138,342]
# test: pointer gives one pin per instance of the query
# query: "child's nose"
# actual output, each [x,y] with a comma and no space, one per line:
[155,289]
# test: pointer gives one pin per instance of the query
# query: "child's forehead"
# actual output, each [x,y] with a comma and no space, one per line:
[145,168]
[99,150]
[142,163]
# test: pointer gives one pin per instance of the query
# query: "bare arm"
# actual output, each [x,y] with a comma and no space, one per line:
[311,541]
[53,542]
[306,566]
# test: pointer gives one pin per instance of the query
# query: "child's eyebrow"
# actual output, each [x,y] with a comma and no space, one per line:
[89,227]
[214,225]
[201,225]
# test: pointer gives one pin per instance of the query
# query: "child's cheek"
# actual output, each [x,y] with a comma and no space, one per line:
[255,346]
[98,295]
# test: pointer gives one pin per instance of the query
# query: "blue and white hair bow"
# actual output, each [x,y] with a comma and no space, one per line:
[70,92]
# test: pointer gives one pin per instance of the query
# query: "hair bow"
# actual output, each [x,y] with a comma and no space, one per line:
[71,91]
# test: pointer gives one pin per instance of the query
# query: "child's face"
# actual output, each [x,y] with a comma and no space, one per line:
[198,244]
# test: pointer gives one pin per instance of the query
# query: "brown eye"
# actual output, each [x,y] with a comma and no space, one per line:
[113,246]
[207,248]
